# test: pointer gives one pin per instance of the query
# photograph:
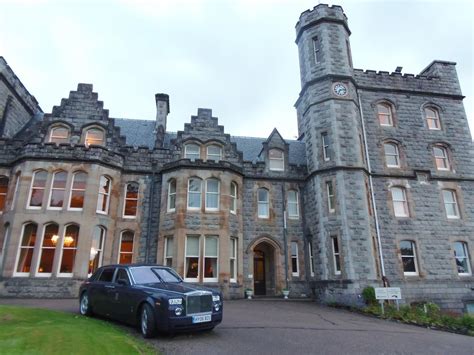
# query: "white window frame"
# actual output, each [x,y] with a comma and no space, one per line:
[106,194]
[389,115]
[3,177]
[213,156]
[233,259]
[444,157]
[396,155]
[6,237]
[434,118]
[233,197]
[296,258]
[40,252]
[72,189]
[403,201]
[171,194]
[125,199]
[52,188]
[213,193]
[187,146]
[200,194]
[61,240]
[100,251]
[464,257]
[414,256]
[17,260]
[265,203]
[51,136]
[336,255]
[325,146]
[166,249]
[102,141]
[120,252]
[294,203]
[454,202]
[210,279]
[311,258]
[276,161]
[30,193]
[186,256]
[331,197]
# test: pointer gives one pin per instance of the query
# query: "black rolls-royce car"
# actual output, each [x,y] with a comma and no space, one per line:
[153,297]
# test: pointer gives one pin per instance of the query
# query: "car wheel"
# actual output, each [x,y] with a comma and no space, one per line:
[84,306]
[147,321]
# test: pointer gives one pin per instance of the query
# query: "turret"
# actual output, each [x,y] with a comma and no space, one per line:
[162,111]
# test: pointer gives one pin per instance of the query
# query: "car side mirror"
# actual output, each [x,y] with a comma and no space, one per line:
[122,282]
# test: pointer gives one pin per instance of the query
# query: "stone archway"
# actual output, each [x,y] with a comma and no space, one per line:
[266,260]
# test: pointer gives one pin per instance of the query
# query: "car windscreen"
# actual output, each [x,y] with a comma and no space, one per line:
[167,275]
[146,275]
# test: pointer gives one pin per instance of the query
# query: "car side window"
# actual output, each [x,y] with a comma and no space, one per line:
[107,275]
[122,276]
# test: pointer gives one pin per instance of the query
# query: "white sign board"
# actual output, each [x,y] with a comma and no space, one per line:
[388,293]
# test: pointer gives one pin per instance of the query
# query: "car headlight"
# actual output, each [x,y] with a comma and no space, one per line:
[175,301]
[216,298]
[217,306]
[178,311]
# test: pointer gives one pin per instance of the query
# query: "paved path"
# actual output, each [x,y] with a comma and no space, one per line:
[288,327]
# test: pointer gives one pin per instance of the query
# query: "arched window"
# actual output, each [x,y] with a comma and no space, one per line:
[212,194]
[432,118]
[172,195]
[58,189]
[276,159]
[408,254]
[192,151]
[214,152]
[440,154]
[233,197]
[3,191]
[48,248]
[59,134]
[385,115]
[78,191]
[94,136]
[126,248]
[37,189]
[194,193]
[451,204]
[392,155]
[95,256]
[293,210]
[103,198]
[263,203]
[27,246]
[131,200]
[400,204]
[69,249]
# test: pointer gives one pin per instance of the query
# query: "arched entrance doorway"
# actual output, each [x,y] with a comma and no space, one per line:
[264,269]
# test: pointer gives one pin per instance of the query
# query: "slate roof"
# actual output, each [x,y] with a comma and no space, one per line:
[140,133]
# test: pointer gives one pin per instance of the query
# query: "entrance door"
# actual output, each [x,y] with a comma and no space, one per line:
[259,272]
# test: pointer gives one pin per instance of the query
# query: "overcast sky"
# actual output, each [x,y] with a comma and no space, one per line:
[236,57]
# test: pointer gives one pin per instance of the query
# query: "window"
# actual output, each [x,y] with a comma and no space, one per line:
[169,251]
[126,248]
[172,195]
[104,195]
[214,152]
[450,204]
[3,191]
[408,253]
[316,50]
[400,204]
[461,256]
[311,258]
[194,193]
[294,259]
[58,190]
[27,247]
[233,259]
[326,142]
[192,151]
[70,239]
[212,194]
[441,158]
[384,113]
[432,118]
[293,210]
[211,258]
[94,136]
[263,203]
[392,156]
[95,258]
[78,191]
[122,276]
[276,158]
[336,255]
[59,134]
[15,192]
[37,189]
[233,197]
[191,266]
[331,197]
[48,248]
[131,200]
[107,275]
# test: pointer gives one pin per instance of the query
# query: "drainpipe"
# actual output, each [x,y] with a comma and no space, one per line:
[150,211]
[285,242]
[372,195]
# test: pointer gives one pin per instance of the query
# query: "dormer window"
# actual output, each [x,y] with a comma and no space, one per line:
[94,136]
[276,159]
[192,151]
[214,152]
[59,134]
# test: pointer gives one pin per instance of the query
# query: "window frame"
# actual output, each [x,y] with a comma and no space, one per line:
[465,257]
[435,118]
[454,202]
[444,158]
[406,207]
[294,257]
[72,190]
[4,194]
[86,137]
[186,256]
[67,138]
[388,115]
[166,249]
[186,146]
[273,160]
[17,273]
[218,193]
[294,203]
[208,155]
[331,197]
[396,155]
[170,194]
[200,194]
[264,203]
[311,258]
[120,252]
[30,193]
[414,256]
[128,199]
[62,247]
[336,255]
[205,256]
[106,194]
[325,146]
[52,189]
[233,197]
[233,259]
[316,49]
[100,251]
[41,250]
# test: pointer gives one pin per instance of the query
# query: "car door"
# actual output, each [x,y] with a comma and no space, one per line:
[125,297]
[102,292]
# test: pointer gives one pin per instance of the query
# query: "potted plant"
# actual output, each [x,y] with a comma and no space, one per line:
[249,293]
[285,292]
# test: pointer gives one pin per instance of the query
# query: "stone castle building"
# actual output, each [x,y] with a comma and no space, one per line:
[378,188]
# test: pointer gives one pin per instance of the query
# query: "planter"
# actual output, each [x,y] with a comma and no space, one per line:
[285,294]
[249,294]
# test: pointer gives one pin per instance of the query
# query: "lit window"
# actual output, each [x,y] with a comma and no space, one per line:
[37,189]
[392,156]
[69,246]
[214,152]
[126,248]
[94,136]
[104,195]
[48,248]
[172,195]
[293,210]
[194,193]
[450,204]
[400,204]
[169,251]
[58,190]
[212,194]
[294,259]
[432,118]
[3,191]
[233,197]
[263,203]
[78,191]
[331,197]
[131,200]
[211,258]
[384,113]
[461,256]
[326,143]
[27,247]
[316,50]
[58,135]
[233,259]
[336,256]
[192,151]
[441,158]
[191,266]
[311,258]
[95,258]
[408,253]
[276,158]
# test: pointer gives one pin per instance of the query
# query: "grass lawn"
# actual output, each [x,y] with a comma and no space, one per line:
[37,331]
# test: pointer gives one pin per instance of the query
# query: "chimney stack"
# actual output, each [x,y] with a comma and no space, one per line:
[162,111]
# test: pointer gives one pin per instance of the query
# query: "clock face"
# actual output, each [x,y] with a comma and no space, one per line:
[340,89]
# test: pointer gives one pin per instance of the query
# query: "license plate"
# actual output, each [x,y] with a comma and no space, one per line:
[202,319]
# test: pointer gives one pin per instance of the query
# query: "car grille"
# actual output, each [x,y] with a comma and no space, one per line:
[198,304]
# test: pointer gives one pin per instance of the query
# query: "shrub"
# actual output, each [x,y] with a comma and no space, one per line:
[368,294]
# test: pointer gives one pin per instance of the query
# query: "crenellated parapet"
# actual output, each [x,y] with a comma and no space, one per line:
[320,13]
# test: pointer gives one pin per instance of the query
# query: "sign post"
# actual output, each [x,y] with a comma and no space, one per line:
[388,293]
